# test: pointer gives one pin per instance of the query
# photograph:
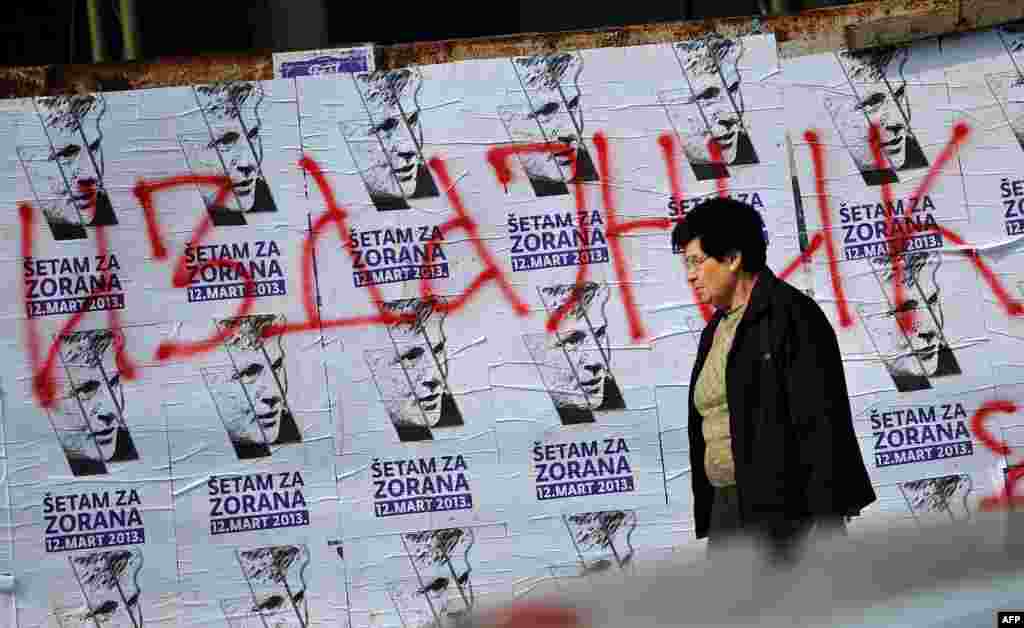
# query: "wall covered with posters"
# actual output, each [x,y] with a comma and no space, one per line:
[207,421]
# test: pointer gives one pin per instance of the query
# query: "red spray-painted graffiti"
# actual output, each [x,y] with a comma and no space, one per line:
[43,368]
[667,143]
[463,221]
[336,215]
[615,230]
[1008,498]
[499,160]
[825,214]
[144,192]
[721,183]
[904,318]
[44,383]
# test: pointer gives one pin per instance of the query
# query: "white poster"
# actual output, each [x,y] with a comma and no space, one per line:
[253,540]
[90,493]
[373,347]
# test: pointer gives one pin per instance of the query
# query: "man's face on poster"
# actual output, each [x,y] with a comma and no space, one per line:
[879,98]
[602,538]
[715,111]
[552,113]
[388,148]
[939,499]
[241,151]
[554,116]
[853,128]
[232,144]
[575,359]
[50,188]
[272,574]
[442,563]
[251,394]
[412,375]
[110,585]
[401,136]
[884,108]
[918,348]
[89,413]
[584,348]
[77,150]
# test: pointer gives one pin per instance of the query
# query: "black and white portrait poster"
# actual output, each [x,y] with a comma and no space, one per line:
[419,380]
[99,424]
[252,398]
[842,94]
[73,153]
[926,500]
[905,437]
[587,371]
[121,571]
[598,542]
[79,236]
[90,489]
[415,422]
[432,576]
[873,200]
[373,136]
[985,73]
[719,101]
[616,541]
[936,338]
[252,540]
[373,133]
[247,131]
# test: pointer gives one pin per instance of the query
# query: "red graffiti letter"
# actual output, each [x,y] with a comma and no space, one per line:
[615,230]
[668,152]
[339,217]
[898,244]
[1006,499]
[145,191]
[982,433]
[465,222]
[721,183]
[44,384]
[824,237]
[499,157]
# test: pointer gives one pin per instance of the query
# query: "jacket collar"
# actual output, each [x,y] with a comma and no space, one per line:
[761,295]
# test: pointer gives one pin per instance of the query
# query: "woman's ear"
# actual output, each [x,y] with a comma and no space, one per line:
[736,262]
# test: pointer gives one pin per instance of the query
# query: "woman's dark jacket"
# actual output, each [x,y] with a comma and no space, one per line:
[793,441]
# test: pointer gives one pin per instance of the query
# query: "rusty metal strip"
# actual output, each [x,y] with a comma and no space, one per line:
[951,16]
[799,34]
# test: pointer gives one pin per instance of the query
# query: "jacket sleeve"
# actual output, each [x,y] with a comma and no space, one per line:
[815,386]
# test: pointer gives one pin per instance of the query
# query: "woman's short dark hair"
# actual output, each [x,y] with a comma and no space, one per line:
[724,226]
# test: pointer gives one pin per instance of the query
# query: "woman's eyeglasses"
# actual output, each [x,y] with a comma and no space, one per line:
[693,262]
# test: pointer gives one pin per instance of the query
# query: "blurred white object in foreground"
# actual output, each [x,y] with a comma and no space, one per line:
[944,575]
